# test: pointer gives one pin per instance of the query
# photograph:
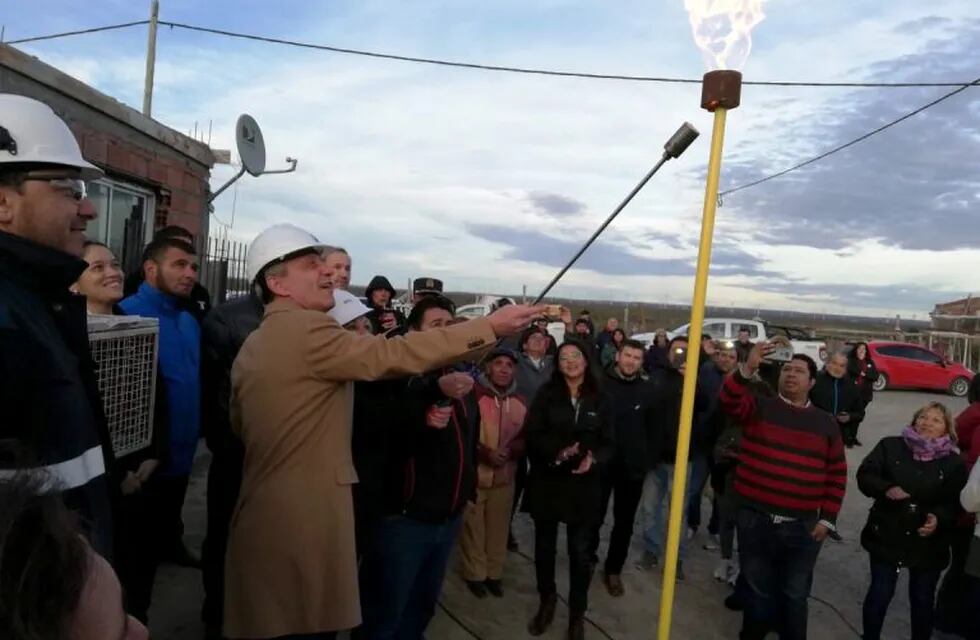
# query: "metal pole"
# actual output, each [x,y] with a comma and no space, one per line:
[677,497]
[151,58]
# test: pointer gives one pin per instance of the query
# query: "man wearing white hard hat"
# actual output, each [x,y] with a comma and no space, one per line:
[52,410]
[291,568]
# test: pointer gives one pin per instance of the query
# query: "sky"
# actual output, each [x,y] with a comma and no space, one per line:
[491,181]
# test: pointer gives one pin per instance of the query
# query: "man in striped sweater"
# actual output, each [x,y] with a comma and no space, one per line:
[790,482]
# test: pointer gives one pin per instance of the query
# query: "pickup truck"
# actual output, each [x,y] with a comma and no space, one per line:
[728,328]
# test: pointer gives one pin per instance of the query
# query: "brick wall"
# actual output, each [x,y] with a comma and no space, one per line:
[180,184]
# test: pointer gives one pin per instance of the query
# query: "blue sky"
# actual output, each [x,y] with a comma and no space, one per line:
[488,180]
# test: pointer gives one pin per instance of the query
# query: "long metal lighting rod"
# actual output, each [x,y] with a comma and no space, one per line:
[674,147]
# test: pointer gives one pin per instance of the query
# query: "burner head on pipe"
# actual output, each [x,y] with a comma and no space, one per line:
[721,89]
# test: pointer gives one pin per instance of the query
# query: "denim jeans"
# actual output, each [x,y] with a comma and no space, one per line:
[579,538]
[655,506]
[922,596]
[777,561]
[406,568]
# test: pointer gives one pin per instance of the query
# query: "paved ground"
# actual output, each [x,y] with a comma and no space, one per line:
[840,582]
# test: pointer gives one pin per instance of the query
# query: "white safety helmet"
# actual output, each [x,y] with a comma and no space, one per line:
[276,243]
[347,307]
[30,132]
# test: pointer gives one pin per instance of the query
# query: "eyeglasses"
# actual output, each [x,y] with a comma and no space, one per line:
[74,186]
[575,356]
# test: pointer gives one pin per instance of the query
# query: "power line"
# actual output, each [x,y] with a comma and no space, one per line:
[486,67]
[79,32]
[853,142]
[536,71]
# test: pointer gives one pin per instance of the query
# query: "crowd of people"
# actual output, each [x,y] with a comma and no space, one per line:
[354,447]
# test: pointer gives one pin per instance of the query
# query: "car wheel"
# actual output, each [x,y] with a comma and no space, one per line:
[881,383]
[959,387]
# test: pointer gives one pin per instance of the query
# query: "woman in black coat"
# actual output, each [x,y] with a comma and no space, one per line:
[656,356]
[915,480]
[569,434]
[863,371]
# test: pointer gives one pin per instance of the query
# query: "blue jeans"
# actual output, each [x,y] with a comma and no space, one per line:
[777,561]
[922,598]
[655,505]
[405,570]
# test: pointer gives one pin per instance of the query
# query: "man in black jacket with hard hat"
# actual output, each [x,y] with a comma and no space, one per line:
[53,418]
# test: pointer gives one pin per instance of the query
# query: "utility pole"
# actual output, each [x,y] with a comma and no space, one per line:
[151,58]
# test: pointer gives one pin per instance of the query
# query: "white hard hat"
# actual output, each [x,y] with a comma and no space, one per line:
[31,132]
[274,244]
[347,307]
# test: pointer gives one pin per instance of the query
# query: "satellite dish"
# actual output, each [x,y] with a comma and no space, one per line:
[251,146]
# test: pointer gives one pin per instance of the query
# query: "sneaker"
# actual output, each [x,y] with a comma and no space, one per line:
[721,571]
[478,589]
[495,587]
[614,585]
[733,571]
[648,561]
[691,533]
[713,543]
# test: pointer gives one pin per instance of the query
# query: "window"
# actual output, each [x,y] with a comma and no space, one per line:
[125,219]
[924,355]
[715,329]
[894,351]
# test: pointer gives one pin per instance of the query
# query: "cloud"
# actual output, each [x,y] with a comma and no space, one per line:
[908,186]
[555,204]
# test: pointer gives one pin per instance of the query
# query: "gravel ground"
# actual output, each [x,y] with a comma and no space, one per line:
[840,582]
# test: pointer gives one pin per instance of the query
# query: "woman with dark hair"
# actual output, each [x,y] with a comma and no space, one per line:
[656,357]
[915,480]
[136,541]
[569,433]
[611,348]
[863,371]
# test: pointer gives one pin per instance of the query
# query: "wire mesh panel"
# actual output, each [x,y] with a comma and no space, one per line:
[125,352]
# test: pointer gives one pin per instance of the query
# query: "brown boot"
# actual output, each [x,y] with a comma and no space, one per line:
[576,627]
[545,615]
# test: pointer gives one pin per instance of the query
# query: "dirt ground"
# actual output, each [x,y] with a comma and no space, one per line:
[835,610]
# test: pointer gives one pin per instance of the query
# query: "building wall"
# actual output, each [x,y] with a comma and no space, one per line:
[118,139]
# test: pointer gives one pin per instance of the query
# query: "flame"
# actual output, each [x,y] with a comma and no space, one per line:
[723,30]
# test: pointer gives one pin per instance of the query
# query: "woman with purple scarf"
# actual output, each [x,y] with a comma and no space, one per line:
[915,480]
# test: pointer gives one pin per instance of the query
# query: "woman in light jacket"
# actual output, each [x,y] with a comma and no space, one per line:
[483,545]
[915,480]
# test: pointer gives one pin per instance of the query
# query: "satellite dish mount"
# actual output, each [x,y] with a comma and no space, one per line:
[251,150]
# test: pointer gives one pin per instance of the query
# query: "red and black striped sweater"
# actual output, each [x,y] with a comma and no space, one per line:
[791,462]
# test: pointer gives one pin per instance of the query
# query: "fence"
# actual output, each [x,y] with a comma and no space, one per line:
[222,268]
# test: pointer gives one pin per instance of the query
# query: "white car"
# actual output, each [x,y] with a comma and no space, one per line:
[728,328]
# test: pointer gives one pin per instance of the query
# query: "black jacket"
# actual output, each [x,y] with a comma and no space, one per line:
[198,304]
[836,395]
[553,492]
[655,359]
[668,385]
[865,384]
[222,335]
[51,408]
[433,471]
[636,425]
[935,486]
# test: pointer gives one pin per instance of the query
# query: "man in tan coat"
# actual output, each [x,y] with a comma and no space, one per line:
[291,569]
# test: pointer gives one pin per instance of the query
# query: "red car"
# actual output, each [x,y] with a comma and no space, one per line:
[913,367]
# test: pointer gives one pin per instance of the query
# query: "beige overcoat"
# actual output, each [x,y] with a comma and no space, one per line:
[291,566]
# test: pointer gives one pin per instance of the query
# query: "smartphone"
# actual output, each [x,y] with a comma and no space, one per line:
[781,354]
[678,357]
[554,312]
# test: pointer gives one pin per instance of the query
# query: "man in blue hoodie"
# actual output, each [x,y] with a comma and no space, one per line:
[171,272]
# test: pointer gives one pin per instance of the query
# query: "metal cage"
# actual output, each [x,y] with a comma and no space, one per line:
[125,350]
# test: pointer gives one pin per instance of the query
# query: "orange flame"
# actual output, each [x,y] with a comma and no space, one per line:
[723,30]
